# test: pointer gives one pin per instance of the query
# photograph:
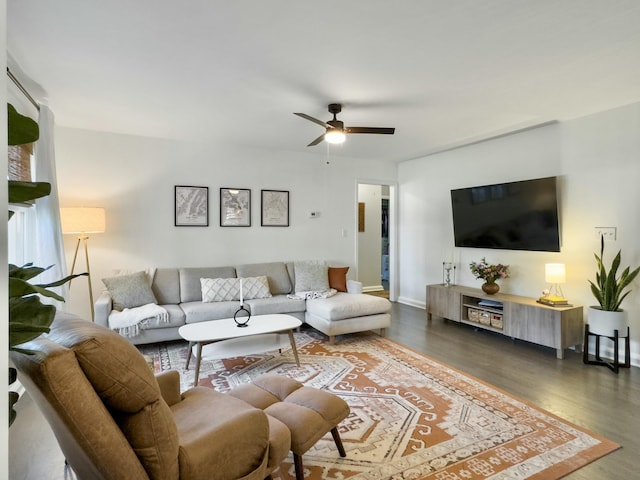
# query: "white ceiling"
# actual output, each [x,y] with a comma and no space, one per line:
[443,72]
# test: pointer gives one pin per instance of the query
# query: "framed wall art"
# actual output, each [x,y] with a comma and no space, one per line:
[191,206]
[235,207]
[275,208]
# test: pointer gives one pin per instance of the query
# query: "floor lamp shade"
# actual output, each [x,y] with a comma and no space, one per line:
[82,220]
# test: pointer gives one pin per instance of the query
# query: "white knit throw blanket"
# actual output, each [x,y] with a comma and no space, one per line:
[130,321]
[312,294]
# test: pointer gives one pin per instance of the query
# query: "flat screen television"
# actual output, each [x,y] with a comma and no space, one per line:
[511,216]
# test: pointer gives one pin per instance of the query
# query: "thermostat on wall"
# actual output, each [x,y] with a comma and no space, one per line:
[314,214]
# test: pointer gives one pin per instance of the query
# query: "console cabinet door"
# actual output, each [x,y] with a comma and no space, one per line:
[443,302]
[535,324]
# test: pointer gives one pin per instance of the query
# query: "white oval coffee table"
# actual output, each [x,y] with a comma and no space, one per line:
[225,339]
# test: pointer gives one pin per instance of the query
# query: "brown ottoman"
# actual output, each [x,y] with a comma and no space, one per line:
[309,413]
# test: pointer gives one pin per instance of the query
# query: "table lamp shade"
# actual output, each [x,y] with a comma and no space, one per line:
[554,273]
[82,220]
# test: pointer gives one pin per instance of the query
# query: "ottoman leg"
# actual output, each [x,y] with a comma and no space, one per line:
[338,440]
[297,463]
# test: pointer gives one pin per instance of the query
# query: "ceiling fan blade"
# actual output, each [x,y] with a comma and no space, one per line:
[314,120]
[316,141]
[378,130]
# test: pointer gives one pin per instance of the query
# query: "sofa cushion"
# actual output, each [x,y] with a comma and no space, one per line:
[348,305]
[129,291]
[338,278]
[220,289]
[190,288]
[166,286]
[311,276]
[275,304]
[203,312]
[276,273]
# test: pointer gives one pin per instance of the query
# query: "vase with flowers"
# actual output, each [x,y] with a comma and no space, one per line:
[489,273]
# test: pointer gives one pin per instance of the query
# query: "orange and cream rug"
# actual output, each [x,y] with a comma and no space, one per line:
[412,417]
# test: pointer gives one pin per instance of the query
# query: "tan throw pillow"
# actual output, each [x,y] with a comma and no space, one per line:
[338,278]
[129,291]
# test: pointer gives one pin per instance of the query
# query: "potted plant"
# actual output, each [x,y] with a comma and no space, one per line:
[489,273]
[609,291]
[28,316]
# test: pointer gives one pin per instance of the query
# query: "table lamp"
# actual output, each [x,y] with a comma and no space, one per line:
[554,275]
[81,221]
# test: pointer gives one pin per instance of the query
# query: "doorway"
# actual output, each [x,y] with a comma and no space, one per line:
[375,245]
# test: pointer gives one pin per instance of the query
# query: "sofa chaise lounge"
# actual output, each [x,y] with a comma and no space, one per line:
[179,291]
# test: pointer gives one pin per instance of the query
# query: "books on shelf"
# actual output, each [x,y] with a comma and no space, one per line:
[554,301]
[489,303]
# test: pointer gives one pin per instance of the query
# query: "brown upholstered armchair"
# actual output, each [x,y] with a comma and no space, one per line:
[114,419]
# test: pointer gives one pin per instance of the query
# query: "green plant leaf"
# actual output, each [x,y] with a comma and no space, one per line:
[28,319]
[13,399]
[26,272]
[21,129]
[20,192]
[20,288]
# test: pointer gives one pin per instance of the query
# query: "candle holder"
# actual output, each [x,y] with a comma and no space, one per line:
[448,274]
[245,320]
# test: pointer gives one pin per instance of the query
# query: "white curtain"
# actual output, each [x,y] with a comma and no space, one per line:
[49,245]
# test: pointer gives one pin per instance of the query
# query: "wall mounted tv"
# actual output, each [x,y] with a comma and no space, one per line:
[512,216]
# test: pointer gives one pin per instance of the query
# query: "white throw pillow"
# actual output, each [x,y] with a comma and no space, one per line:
[220,289]
[255,287]
[311,276]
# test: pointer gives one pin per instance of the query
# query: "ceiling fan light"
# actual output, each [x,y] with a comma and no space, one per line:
[334,136]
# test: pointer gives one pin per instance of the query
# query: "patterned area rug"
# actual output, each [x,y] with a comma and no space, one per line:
[411,416]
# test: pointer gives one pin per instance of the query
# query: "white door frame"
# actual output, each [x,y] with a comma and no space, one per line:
[393,230]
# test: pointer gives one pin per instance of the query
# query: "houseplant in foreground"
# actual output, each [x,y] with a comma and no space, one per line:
[609,291]
[28,316]
[489,273]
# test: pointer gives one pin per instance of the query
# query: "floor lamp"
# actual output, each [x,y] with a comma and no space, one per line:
[81,221]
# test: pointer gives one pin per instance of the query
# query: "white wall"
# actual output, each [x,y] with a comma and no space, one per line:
[134,179]
[596,160]
[370,241]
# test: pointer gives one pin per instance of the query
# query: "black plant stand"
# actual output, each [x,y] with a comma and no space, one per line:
[615,365]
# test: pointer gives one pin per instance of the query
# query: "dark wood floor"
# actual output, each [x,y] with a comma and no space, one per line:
[590,396]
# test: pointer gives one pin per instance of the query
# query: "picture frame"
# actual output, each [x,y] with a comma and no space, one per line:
[191,206]
[274,208]
[235,207]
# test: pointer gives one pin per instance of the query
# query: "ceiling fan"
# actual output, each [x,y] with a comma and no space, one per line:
[336,131]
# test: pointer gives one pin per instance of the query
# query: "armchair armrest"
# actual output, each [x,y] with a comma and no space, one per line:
[102,309]
[169,383]
[353,286]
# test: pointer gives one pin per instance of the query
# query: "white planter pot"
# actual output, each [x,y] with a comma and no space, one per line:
[602,322]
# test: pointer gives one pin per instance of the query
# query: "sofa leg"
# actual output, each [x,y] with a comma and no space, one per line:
[332,340]
[383,332]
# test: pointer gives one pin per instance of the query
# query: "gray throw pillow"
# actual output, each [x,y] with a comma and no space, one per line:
[311,276]
[129,291]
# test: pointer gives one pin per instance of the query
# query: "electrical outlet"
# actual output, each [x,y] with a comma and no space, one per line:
[609,233]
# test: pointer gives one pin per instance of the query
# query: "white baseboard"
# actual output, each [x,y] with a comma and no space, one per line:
[372,288]
[412,302]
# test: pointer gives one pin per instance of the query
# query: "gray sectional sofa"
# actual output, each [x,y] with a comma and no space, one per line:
[178,290]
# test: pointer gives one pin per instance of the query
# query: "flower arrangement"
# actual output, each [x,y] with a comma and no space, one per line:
[489,273]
